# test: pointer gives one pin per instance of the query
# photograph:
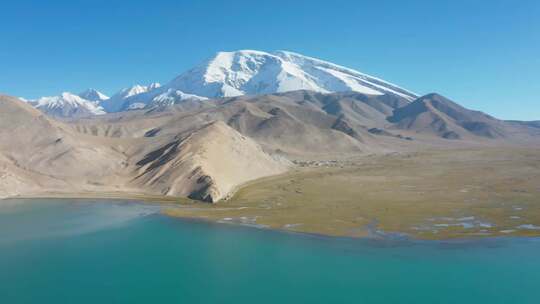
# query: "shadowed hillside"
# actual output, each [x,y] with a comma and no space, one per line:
[206,149]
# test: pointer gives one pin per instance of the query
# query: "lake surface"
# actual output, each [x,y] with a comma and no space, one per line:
[85,251]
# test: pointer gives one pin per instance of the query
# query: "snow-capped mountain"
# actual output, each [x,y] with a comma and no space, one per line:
[171,97]
[67,105]
[93,95]
[246,72]
[249,72]
[118,101]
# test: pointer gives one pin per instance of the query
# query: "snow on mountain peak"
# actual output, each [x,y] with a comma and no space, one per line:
[93,95]
[67,105]
[255,72]
[154,85]
[171,97]
[117,101]
[243,72]
[134,90]
[138,89]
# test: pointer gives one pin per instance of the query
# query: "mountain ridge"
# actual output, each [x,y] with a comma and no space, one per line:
[93,95]
[249,72]
[206,149]
[244,72]
[67,105]
[446,118]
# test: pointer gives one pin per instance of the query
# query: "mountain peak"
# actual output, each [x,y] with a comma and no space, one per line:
[154,85]
[118,101]
[67,104]
[251,72]
[93,95]
[441,116]
[138,89]
[71,96]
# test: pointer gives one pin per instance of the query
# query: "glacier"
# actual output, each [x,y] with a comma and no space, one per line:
[243,72]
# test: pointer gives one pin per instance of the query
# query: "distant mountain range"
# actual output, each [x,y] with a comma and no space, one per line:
[227,74]
[204,149]
[237,117]
[93,95]
[68,105]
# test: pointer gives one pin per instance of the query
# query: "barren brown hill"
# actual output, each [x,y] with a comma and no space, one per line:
[437,115]
[39,155]
[205,150]
[205,164]
[297,124]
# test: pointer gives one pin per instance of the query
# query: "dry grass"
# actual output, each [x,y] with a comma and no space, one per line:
[428,195]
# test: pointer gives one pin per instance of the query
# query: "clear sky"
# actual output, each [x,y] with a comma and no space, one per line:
[483,54]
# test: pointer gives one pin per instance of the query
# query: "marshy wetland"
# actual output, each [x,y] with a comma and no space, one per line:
[427,195]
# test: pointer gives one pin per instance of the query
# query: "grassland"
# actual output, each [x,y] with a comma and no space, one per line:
[427,195]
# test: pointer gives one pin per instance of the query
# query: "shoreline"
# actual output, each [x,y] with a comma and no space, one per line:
[371,233]
[101,195]
[384,237]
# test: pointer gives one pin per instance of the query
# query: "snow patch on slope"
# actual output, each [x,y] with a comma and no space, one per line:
[93,95]
[171,97]
[67,105]
[118,101]
[250,72]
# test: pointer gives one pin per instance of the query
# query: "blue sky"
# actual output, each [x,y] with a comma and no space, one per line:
[482,54]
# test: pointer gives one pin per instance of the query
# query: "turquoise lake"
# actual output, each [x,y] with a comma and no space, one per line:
[87,251]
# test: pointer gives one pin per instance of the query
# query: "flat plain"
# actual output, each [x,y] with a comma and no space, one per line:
[458,193]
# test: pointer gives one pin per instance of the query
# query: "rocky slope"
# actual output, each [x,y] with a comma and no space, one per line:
[205,164]
[440,116]
[39,155]
[204,149]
